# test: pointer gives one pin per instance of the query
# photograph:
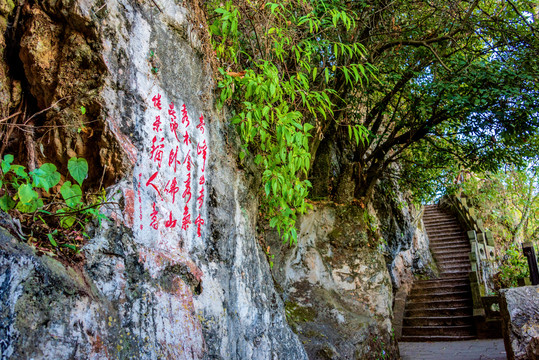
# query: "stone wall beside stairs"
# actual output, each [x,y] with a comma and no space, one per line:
[520,314]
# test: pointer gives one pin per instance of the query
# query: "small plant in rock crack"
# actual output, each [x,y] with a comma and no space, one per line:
[380,348]
[53,222]
[270,256]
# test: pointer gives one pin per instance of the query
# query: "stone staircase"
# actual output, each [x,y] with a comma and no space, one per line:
[441,309]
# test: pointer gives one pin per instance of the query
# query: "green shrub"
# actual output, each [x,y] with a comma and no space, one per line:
[60,222]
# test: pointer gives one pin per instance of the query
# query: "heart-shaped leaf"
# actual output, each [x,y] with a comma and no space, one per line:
[27,194]
[6,202]
[19,171]
[46,176]
[6,163]
[78,168]
[72,194]
[66,220]
[29,207]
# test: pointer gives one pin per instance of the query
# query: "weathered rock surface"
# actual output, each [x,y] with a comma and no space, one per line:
[520,314]
[395,218]
[336,285]
[178,273]
[339,282]
[401,226]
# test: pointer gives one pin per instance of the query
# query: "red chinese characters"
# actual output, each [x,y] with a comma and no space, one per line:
[202,150]
[156,154]
[173,123]
[179,182]
[185,118]
[154,224]
[200,199]
[140,198]
[170,223]
[186,139]
[157,124]
[172,188]
[150,183]
[187,191]
[186,221]
[173,158]
[201,124]
[199,222]
[188,161]
[157,101]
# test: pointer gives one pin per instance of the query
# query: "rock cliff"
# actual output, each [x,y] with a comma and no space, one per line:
[178,274]
[179,271]
[339,282]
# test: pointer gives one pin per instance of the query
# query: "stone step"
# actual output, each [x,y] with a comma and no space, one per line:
[430,218]
[446,260]
[451,273]
[441,258]
[451,246]
[442,228]
[449,232]
[445,257]
[433,214]
[448,311]
[435,209]
[438,289]
[434,224]
[450,252]
[442,238]
[455,266]
[438,217]
[455,260]
[457,330]
[441,245]
[447,235]
[442,282]
[438,304]
[438,320]
[436,296]
[441,309]
[406,338]
[463,270]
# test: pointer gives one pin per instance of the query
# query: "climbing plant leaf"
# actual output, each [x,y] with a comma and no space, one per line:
[72,194]
[46,176]
[78,168]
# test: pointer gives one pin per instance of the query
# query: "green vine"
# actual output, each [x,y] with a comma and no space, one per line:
[62,220]
[283,88]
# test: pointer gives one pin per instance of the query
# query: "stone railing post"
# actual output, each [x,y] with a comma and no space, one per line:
[529,252]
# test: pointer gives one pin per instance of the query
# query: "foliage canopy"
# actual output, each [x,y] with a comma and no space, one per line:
[433,86]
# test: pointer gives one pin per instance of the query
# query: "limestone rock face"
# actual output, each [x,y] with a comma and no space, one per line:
[336,286]
[520,314]
[8,96]
[401,226]
[177,273]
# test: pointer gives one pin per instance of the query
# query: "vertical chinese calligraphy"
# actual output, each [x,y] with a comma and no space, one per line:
[201,152]
[179,188]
